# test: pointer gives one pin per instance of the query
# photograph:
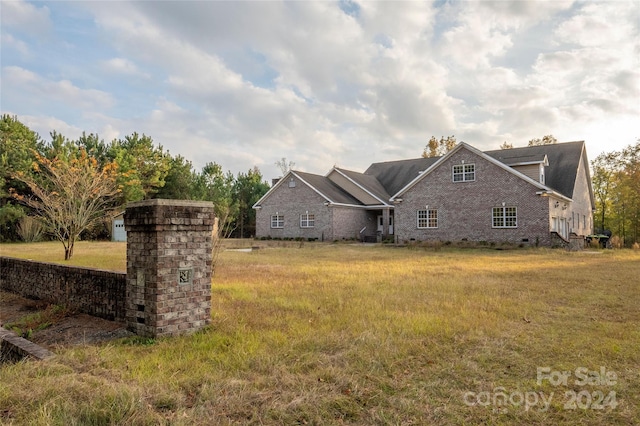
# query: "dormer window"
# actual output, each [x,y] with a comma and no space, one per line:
[464,173]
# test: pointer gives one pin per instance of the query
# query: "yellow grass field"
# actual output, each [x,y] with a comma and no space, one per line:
[350,334]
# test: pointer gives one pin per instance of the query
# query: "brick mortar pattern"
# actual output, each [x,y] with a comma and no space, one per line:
[464,208]
[331,222]
[91,291]
[161,240]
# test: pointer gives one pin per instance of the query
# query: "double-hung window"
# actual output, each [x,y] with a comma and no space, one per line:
[504,217]
[277,221]
[464,172]
[427,218]
[307,220]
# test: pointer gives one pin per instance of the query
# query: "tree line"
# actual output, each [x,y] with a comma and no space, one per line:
[616,186]
[42,178]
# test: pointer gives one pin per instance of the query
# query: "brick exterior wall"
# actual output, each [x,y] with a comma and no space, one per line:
[331,222]
[169,260]
[465,208]
[14,348]
[291,202]
[348,222]
[91,291]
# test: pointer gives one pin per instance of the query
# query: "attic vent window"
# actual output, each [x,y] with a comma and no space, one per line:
[292,183]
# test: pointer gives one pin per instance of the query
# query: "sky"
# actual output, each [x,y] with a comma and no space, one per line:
[322,84]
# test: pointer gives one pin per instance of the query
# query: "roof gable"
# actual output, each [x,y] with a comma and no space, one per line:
[460,146]
[563,161]
[327,188]
[322,185]
[367,183]
[394,175]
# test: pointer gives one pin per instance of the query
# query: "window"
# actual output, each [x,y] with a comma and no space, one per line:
[464,172]
[427,218]
[277,221]
[307,220]
[505,217]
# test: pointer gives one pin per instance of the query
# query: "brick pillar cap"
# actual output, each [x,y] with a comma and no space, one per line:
[163,202]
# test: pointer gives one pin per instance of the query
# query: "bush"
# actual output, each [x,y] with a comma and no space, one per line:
[635,246]
[616,242]
[30,229]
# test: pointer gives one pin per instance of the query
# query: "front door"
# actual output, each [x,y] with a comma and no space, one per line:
[381,225]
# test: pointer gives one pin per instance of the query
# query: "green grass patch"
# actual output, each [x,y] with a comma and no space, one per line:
[37,321]
[335,334]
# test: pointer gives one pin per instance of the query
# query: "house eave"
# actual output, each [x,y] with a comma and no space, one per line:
[358,206]
[554,194]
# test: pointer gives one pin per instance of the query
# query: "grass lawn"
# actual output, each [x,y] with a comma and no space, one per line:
[342,334]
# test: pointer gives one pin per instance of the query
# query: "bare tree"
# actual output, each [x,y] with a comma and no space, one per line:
[285,165]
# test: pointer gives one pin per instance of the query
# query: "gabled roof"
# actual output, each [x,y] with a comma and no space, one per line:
[564,159]
[322,185]
[561,163]
[368,183]
[327,188]
[463,145]
[394,175]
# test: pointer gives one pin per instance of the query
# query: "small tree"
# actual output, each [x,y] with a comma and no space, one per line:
[506,145]
[69,194]
[437,148]
[285,165]
[546,140]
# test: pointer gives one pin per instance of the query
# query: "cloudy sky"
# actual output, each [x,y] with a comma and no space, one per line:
[343,83]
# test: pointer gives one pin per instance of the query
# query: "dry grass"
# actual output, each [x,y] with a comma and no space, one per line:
[335,334]
[111,256]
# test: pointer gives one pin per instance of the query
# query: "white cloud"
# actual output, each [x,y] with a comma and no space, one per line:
[123,66]
[598,24]
[43,125]
[26,18]
[246,83]
[28,83]
[10,42]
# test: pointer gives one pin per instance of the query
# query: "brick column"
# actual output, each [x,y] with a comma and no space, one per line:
[169,256]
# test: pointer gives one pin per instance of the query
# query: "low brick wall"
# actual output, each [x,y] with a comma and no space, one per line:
[91,291]
[14,348]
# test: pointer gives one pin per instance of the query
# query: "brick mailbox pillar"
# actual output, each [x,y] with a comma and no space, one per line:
[169,255]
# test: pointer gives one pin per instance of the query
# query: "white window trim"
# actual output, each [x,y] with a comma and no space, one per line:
[279,221]
[426,218]
[463,173]
[308,223]
[504,217]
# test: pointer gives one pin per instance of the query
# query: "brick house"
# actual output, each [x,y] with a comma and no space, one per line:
[537,195]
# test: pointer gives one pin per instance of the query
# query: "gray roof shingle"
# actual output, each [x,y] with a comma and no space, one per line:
[564,159]
[394,175]
[386,178]
[328,188]
[368,182]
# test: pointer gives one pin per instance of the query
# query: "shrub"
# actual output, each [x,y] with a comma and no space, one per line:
[30,229]
[635,246]
[616,242]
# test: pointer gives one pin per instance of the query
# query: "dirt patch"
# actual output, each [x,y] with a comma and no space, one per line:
[68,329]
